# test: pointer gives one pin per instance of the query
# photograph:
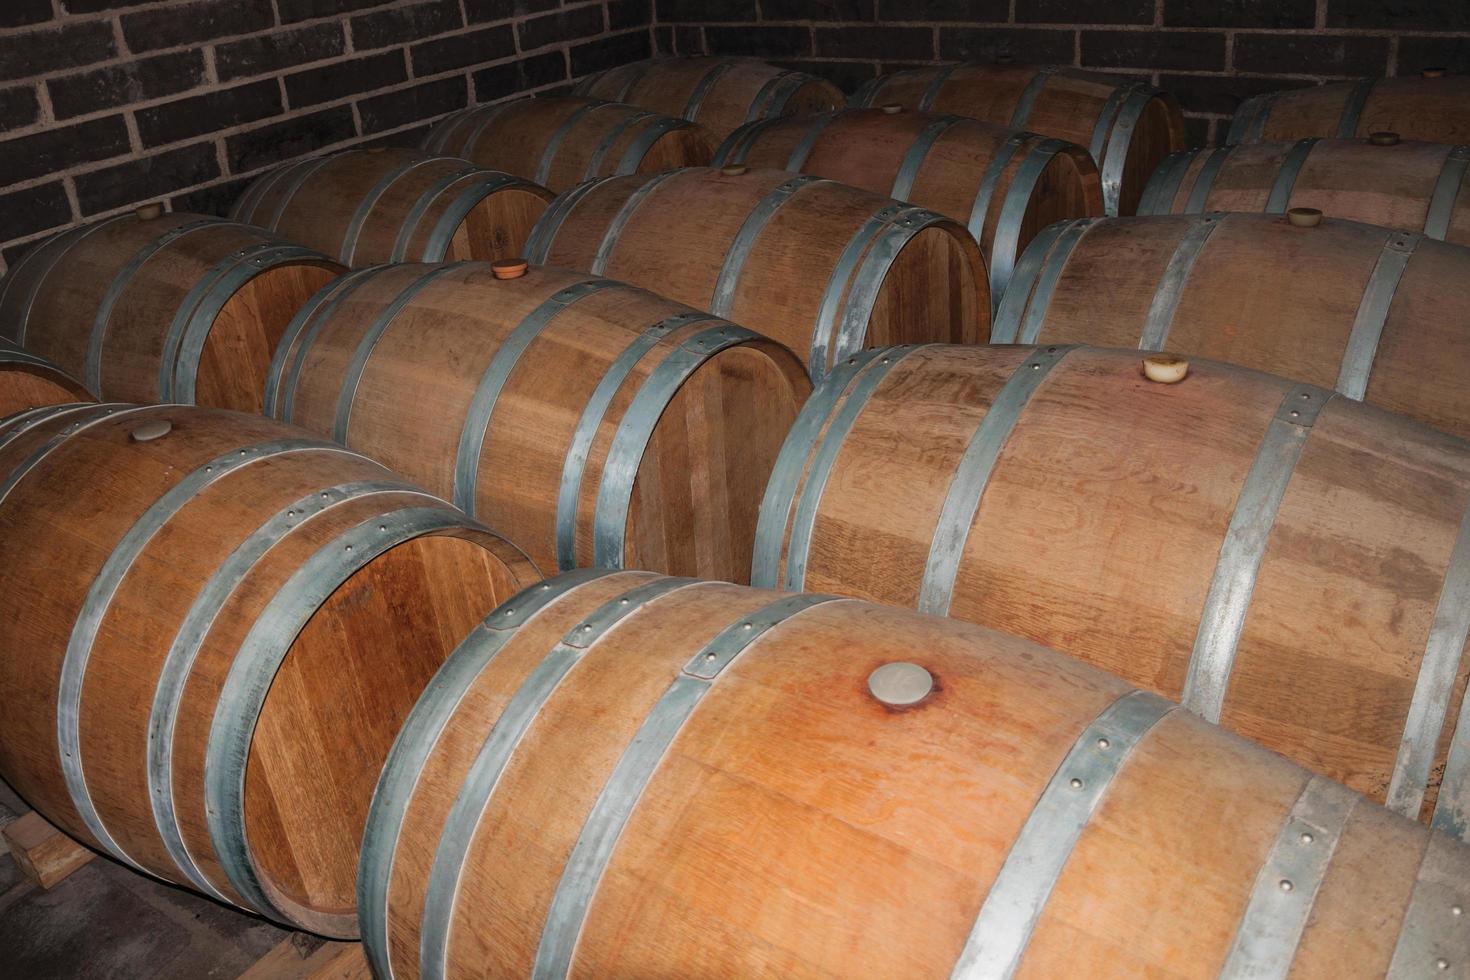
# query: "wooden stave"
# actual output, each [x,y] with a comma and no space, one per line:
[1379,317]
[28,381]
[1364,762]
[406,936]
[856,279]
[95,804]
[1415,108]
[651,348]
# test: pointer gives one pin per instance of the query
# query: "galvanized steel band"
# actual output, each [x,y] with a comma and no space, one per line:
[1165,302]
[1446,192]
[1287,174]
[1372,315]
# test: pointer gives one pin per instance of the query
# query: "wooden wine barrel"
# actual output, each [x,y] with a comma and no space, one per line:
[1287,562]
[1003,185]
[207,651]
[821,267]
[28,381]
[1378,315]
[154,307]
[1127,126]
[560,141]
[636,776]
[369,206]
[589,421]
[1433,108]
[1382,181]
[721,94]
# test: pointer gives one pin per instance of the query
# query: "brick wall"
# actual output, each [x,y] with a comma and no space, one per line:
[1211,53]
[108,103]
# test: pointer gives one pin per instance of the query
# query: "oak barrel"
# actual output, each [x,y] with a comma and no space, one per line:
[721,94]
[1287,562]
[368,206]
[589,421]
[154,307]
[211,627]
[636,776]
[1003,185]
[821,267]
[28,381]
[1127,126]
[1381,181]
[1434,108]
[1377,314]
[560,141]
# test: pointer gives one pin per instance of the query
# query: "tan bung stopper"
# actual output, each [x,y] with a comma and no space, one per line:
[734,169]
[1433,73]
[1384,139]
[892,108]
[152,429]
[509,268]
[1304,217]
[1166,369]
[149,212]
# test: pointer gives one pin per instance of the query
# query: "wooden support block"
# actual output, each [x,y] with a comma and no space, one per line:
[43,853]
[329,961]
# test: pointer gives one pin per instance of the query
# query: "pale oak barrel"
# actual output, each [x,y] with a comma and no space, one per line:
[369,206]
[589,421]
[1287,562]
[821,267]
[1127,126]
[638,776]
[1434,108]
[28,382]
[1003,185]
[154,307]
[560,141]
[1375,314]
[211,627]
[721,94]
[1384,181]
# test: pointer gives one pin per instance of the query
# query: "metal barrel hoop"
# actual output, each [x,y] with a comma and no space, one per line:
[702,89]
[559,136]
[1050,275]
[543,233]
[310,324]
[1006,241]
[1204,182]
[632,157]
[1352,107]
[1170,289]
[369,201]
[1285,182]
[613,134]
[1163,185]
[620,220]
[824,333]
[1029,95]
[421,206]
[287,344]
[300,177]
[1446,192]
[1372,314]
[723,295]
[913,158]
[1006,323]
[1115,157]
[436,246]
[862,296]
[931,91]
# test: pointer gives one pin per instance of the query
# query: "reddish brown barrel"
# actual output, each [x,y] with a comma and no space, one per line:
[721,94]
[212,628]
[821,267]
[589,421]
[1003,185]
[1376,314]
[635,776]
[1381,180]
[369,206]
[1127,126]
[560,141]
[154,307]
[28,381]
[1434,108]
[1287,562]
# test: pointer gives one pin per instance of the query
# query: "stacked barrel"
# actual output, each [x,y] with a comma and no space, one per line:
[1180,684]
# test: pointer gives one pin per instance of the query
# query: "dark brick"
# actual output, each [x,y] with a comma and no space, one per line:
[393,109]
[1240,13]
[295,10]
[19,107]
[761,42]
[34,209]
[21,13]
[272,52]
[202,20]
[499,81]
[25,53]
[290,138]
[94,6]
[565,25]
[1009,45]
[844,11]
[1085,11]
[1307,55]
[1197,131]
[1400,15]
[62,147]
[962,11]
[150,177]
[480,11]
[1221,94]
[463,50]
[115,85]
[1419,53]
[207,113]
[399,24]
[216,199]
[624,14]
[846,75]
[343,78]
[609,52]
[875,42]
[704,11]
[663,40]
[1179,50]
[689,40]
